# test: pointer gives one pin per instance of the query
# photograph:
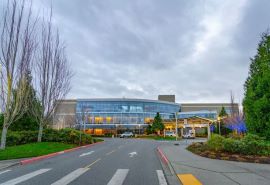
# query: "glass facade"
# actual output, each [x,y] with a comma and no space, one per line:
[128,113]
[203,114]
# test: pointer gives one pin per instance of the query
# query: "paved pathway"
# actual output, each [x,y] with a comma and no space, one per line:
[215,172]
[8,163]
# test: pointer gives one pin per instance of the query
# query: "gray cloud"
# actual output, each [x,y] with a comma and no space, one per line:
[198,50]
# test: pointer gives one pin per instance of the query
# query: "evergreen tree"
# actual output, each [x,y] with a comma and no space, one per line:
[222,112]
[149,130]
[27,121]
[257,91]
[158,124]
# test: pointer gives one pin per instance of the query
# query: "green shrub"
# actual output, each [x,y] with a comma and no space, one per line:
[254,145]
[201,134]
[66,135]
[21,137]
[95,140]
[249,145]
[108,134]
[216,142]
[232,145]
[69,136]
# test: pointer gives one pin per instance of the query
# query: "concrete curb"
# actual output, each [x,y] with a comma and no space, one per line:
[165,160]
[167,168]
[162,155]
[8,166]
[34,159]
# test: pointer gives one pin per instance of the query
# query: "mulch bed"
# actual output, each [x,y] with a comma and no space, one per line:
[201,149]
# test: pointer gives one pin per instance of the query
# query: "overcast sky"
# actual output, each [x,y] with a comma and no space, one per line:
[198,50]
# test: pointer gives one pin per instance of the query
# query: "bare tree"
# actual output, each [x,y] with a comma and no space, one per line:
[234,111]
[17,47]
[70,121]
[52,75]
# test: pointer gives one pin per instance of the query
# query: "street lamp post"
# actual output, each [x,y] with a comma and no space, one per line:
[208,131]
[80,133]
[176,127]
[219,125]
[1,86]
[84,122]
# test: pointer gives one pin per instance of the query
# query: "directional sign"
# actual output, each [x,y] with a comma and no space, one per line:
[131,154]
[88,153]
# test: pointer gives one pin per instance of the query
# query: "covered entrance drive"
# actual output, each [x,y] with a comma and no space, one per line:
[198,125]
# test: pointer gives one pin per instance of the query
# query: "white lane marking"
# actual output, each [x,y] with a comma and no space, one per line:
[61,152]
[161,177]
[88,153]
[119,177]
[131,154]
[25,177]
[4,171]
[71,176]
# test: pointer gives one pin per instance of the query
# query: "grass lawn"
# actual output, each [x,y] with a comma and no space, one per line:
[96,140]
[33,150]
[171,138]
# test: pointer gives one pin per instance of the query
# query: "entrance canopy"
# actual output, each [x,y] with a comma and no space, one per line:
[194,121]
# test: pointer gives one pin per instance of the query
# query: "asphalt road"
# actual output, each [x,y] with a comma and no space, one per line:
[116,161]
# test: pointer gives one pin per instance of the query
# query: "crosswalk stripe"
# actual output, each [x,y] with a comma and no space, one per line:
[119,177]
[161,178]
[4,171]
[25,177]
[71,176]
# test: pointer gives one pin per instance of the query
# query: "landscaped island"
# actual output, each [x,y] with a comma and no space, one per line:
[250,148]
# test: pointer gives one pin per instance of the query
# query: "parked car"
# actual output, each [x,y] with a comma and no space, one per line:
[126,134]
[189,136]
[170,133]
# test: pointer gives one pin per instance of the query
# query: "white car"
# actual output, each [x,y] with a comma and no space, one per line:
[188,136]
[126,134]
[169,133]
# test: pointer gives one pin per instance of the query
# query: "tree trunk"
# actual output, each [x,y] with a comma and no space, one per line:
[3,138]
[40,131]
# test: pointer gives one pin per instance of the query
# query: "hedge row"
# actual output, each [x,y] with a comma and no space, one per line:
[248,145]
[70,136]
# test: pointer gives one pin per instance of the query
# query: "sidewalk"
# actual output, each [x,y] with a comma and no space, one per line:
[8,163]
[215,172]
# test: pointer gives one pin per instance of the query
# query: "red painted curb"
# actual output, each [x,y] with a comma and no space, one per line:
[34,159]
[162,155]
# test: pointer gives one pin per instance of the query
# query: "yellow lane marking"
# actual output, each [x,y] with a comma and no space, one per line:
[110,152]
[188,179]
[88,166]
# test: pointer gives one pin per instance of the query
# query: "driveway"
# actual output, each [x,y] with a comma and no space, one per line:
[114,162]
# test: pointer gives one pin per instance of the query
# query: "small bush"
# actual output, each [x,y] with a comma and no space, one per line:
[254,145]
[108,134]
[69,136]
[248,145]
[216,142]
[66,135]
[232,145]
[21,137]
